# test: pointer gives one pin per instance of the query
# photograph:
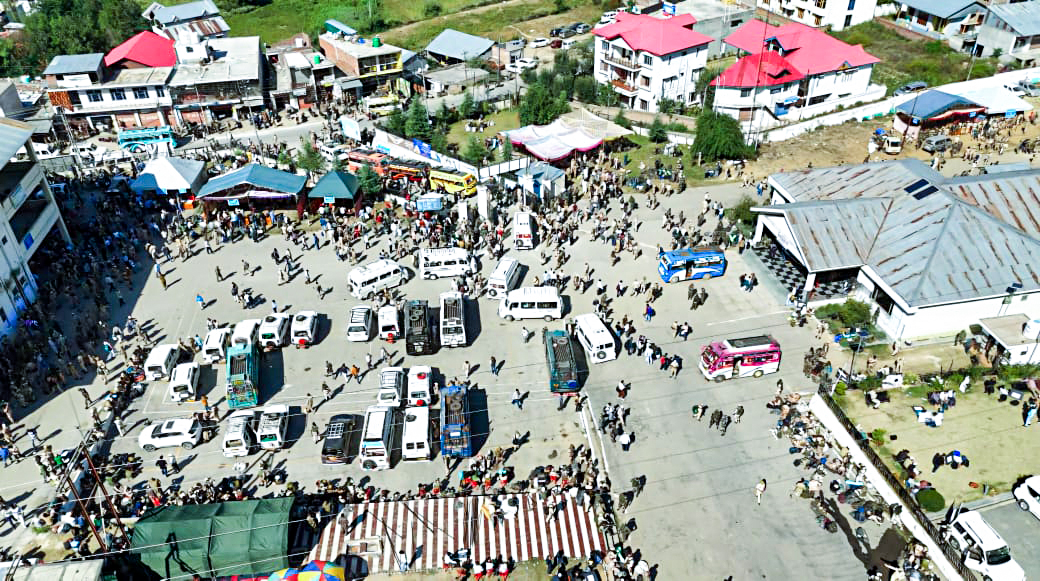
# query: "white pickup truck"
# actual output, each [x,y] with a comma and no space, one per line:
[94,154]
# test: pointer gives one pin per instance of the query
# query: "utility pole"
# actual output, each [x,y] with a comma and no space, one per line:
[83,509]
[108,499]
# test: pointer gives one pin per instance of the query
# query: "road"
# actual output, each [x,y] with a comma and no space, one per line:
[1019,529]
[698,509]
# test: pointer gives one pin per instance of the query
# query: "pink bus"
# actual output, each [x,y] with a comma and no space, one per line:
[747,356]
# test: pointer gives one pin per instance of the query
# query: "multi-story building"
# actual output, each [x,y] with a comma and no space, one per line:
[369,61]
[124,88]
[28,213]
[201,18]
[645,59]
[837,14]
[792,72]
[956,21]
[301,76]
[1013,29]
[216,78]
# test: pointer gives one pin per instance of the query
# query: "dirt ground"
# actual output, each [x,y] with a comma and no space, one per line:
[989,433]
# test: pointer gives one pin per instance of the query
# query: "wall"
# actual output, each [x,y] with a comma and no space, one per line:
[721,27]
[683,68]
[990,37]
[107,103]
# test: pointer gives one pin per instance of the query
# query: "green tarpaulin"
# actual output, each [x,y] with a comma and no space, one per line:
[246,537]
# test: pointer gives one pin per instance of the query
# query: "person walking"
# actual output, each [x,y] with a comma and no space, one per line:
[201,301]
[494,366]
[467,370]
[716,417]
[355,373]
[162,280]
[525,334]
[174,467]
[518,399]
[163,466]
[309,408]
[368,361]
[34,439]
[724,424]
[120,427]
[760,488]
[738,413]
[625,439]
[315,433]
[87,401]
[326,391]
[220,277]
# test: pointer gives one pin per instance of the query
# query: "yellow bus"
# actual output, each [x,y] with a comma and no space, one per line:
[453,182]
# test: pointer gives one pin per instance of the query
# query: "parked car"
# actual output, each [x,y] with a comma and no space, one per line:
[568,32]
[274,330]
[274,421]
[539,42]
[555,33]
[581,28]
[360,326]
[937,143]
[342,439]
[1017,90]
[1030,88]
[514,68]
[1027,495]
[912,87]
[981,547]
[527,63]
[556,43]
[183,432]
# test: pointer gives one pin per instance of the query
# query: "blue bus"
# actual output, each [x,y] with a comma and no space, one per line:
[456,439]
[692,263]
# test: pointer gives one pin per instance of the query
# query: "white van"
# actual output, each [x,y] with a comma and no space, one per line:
[274,422]
[184,382]
[523,231]
[274,330]
[373,277]
[503,279]
[214,348]
[595,337]
[377,438]
[415,438]
[240,439]
[389,323]
[453,319]
[531,302]
[437,262]
[161,361]
[360,326]
[246,332]
[419,378]
[391,387]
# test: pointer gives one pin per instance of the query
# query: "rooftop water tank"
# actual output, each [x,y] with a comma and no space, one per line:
[376,43]
[1031,330]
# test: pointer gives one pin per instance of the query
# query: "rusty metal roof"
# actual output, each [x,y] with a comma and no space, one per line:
[931,239]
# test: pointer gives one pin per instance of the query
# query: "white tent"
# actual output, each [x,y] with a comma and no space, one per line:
[997,100]
[171,175]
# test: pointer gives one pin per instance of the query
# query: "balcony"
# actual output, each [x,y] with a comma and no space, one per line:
[624,88]
[109,106]
[17,180]
[620,62]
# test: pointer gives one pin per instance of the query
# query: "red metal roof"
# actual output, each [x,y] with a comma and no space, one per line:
[808,49]
[146,48]
[758,70]
[659,36]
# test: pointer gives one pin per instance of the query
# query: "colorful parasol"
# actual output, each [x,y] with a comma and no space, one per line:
[313,571]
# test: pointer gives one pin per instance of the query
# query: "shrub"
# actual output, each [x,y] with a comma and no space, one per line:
[930,500]
[742,211]
[839,388]
[432,8]
[851,313]
[878,437]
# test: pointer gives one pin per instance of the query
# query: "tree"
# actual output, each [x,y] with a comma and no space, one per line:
[72,27]
[468,106]
[669,106]
[657,132]
[703,86]
[308,158]
[559,6]
[439,141]
[395,123]
[507,150]
[417,124]
[369,181]
[475,151]
[621,120]
[719,137]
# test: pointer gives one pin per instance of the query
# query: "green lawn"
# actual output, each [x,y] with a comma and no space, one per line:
[904,60]
[504,121]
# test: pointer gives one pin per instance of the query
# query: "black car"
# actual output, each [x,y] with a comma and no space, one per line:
[555,33]
[342,439]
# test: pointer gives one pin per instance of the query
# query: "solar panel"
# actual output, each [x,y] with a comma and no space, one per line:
[925,192]
[916,186]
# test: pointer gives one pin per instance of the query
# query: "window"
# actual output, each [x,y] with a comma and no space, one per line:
[603,67]
[644,81]
[160,91]
[852,4]
[848,21]
[648,60]
[774,90]
[817,20]
[604,45]
[94,96]
[745,92]
[546,305]
[140,93]
[118,94]
[735,23]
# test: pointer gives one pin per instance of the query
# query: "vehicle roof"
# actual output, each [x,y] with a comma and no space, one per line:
[274,319]
[415,370]
[375,266]
[442,251]
[163,349]
[183,367]
[217,333]
[304,315]
[419,413]
[688,252]
[372,414]
[988,538]
[357,314]
[247,324]
[179,424]
[534,291]
[592,319]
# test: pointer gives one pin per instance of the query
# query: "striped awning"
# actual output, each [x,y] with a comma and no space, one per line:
[372,534]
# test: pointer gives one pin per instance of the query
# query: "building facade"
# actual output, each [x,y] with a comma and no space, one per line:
[216,78]
[371,62]
[201,18]
[837,14]
[955,21]
[1013,29]
[28,214]
[645,59]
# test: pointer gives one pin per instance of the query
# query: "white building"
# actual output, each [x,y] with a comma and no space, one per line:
[792,72]
[216,78]
[646,59]
[932,255]
[28,213]
[837,14]
[200,18]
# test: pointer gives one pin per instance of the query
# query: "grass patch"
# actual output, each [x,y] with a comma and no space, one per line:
[904,60]
[504,121]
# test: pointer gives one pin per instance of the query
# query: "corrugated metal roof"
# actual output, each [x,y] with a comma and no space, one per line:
[183,12]
[67,64]
[458,45]
[942,8]
[1023,17]
[13,135]
[931,239]
[256,175]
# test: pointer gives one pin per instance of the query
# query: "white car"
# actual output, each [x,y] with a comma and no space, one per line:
[1027,495]
[982,549]
[273,423]
[527,63]
[360,326]
[183,432]
[304,328]
[391,387]
[419,386]
[274,330]
[514,68]
[539,42]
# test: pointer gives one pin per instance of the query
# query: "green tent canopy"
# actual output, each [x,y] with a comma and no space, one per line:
[246,537]
[336,184]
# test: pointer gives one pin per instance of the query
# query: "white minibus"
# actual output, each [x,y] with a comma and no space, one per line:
[437,262]
[373,277]
[415,439]
[595,337]
[538,302]
[377,438]
[503,279]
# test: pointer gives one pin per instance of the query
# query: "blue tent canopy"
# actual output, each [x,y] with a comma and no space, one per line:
[266,178]
[934,103]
